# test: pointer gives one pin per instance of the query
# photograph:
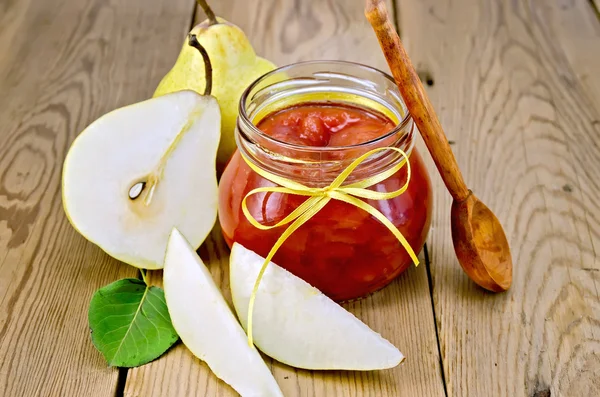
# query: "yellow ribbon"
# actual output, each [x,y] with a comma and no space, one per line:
[318,198]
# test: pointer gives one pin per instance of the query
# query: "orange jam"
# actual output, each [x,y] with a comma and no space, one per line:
[342,250]
[325,125]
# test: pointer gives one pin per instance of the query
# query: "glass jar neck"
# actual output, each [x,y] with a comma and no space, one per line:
[322,82]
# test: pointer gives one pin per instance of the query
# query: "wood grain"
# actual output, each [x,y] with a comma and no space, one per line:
[286,32]
[63,63]
[516,87]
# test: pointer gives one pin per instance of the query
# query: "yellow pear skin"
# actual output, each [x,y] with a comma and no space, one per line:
[235,66]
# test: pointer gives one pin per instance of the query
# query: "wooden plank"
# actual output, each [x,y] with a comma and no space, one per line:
[516,87]
[63,63]
[286,32]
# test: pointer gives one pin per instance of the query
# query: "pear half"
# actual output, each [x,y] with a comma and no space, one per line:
[298,325]
[140,170]
[207,326]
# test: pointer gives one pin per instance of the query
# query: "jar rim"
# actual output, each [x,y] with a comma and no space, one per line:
[401,125]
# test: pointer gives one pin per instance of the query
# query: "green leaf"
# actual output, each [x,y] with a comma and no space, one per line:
[130,323]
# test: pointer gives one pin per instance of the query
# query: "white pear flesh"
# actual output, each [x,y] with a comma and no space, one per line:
[169,142]
[208,327]
[298,325]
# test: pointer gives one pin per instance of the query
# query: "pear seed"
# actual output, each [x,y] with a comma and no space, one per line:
[136,190]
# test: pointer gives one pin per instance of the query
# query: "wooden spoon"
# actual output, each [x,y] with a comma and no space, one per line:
[479,241]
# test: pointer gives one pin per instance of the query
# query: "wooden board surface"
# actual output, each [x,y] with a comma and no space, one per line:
[63,63]
[287,32]
[516,86]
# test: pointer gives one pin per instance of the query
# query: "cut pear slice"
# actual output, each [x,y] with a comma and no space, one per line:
[207,326]
[139,171]
[298,325]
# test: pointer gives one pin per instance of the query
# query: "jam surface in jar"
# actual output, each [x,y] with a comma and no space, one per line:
[328,124]
[342,250]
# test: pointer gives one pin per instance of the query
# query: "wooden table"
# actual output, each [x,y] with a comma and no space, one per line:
[517,87]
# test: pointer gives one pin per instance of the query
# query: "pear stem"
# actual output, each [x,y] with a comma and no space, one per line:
[212,19]
[193,41]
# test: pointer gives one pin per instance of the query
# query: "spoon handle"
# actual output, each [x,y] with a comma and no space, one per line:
[416,99]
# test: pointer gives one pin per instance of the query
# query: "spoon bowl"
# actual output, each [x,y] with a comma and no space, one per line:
[480,244]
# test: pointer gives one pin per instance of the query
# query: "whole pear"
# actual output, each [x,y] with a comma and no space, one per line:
[235,66]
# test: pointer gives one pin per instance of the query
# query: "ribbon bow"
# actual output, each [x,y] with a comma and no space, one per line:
[318,198]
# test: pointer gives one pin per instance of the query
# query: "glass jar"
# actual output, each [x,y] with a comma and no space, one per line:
[342,250]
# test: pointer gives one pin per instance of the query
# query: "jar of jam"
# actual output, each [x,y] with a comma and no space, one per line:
[307,122]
